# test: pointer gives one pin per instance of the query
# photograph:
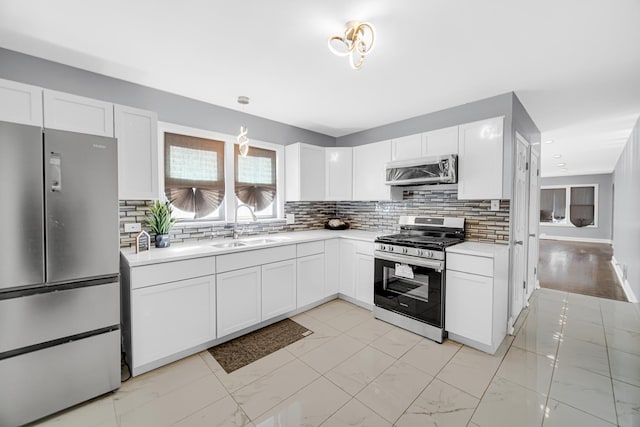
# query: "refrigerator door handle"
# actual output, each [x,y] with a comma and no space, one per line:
[55,164]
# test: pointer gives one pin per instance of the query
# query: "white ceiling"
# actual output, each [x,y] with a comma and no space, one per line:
[573,63]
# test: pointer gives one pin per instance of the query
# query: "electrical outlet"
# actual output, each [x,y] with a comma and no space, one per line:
[291,218]
[495,205]
[132,227]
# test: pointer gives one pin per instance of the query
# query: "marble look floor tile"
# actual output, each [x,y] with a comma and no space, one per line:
[583,300]
[527,369]
[394,390]
[508,404]
[470,370]
[585,331]
[356,414]
[322,334]
[248,373]
[332,353]
[396,342]
[585,314]
[95,413]
[627,404]
[538,339]
[626,319]
[350,319]
[551,307]
[309,407]
[151,385]
[560,415]
[625,366]
[582,354]
[431,357]
[553,294]
[545,321]
[223,413]
[584,390]
[331,310]
[439,405]
[272,389]
[522,317]
[369,330]
[622,340]
[355,373]
[176,405]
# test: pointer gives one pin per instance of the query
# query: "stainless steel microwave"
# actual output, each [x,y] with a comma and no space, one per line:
[423,170]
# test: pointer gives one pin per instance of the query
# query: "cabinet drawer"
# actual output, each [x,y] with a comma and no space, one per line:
[148,275]
[310,248]
[364,248]
[470,264]
[255,257]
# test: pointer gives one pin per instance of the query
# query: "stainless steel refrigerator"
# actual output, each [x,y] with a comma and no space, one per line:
[59,272]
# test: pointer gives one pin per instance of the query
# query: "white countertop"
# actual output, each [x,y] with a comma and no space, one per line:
[203,248]
[488,250]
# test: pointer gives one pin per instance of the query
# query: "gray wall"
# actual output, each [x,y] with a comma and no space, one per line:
[626,219]
[170,108]
[605,207]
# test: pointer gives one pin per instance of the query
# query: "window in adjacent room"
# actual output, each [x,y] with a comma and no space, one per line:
[569,205]
[194,176]
[255,182]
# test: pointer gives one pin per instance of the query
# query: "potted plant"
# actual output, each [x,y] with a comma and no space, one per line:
[159,221]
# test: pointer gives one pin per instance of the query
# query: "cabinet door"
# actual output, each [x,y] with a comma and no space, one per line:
[406,147]
[169,318]
[348,268]
[469,306]
[480,160]
[440,142]
[278,288]
[364,278]
[304,172]
[137,133]
[238,300]
[310,279]
[339,173]
[20,103]
[369,173]
[74,113]
[331,267]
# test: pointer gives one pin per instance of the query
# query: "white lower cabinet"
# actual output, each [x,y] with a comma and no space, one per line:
[469,298]
[310,279]
[364,278]
[278,288]
[171,317]
[238,299]
[347,268]
[331,267]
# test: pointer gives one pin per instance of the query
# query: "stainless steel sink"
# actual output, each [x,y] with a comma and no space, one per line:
[260,241]
[228,245]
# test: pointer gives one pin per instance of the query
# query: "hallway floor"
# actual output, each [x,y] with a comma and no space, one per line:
[574,361]
[579,267]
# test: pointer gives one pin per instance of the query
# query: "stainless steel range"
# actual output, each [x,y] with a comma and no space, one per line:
[409,286]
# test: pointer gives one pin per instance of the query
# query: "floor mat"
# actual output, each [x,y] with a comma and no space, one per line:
[248,348]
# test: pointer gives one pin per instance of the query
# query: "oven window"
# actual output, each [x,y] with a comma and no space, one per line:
[401,283]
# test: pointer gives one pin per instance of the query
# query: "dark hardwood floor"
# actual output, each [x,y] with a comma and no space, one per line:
[582,268]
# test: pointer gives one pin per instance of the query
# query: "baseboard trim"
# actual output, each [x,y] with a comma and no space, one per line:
[623,282]
[575,239]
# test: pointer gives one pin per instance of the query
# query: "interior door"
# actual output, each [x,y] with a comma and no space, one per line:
[534,223]
[520,229]
[81,200]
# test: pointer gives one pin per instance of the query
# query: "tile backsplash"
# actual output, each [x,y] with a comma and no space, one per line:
[482,224]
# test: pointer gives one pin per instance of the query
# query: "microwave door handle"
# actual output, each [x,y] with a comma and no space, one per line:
[436,265]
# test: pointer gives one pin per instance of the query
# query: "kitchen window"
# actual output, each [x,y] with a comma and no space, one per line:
[569,205]
[194,176]
[255,181]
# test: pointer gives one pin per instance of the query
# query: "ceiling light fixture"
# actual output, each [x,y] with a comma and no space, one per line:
[356,42]
[549,141]
[561,165]
[557,156]
[243,140]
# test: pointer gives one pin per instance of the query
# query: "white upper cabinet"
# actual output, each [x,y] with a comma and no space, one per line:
[369,173]
[480,160]
[20,103]
[338,173]
[440,142]
[304,172]
[137,135]
[74,113]
[406,147]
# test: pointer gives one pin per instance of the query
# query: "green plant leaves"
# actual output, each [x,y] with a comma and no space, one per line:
[159,218]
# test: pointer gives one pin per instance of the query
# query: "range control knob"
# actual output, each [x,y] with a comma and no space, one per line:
[405,250]
[383,248]
[429,254]
[420,252]
[390,248]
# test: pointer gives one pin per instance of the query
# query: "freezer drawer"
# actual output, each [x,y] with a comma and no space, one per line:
[39,318]
[43,382]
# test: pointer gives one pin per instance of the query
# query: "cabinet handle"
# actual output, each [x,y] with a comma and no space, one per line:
[518,242]
[532,235]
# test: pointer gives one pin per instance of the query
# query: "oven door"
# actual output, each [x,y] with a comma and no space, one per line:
[410,286]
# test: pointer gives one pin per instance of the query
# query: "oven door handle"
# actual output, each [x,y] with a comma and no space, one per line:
[403,259]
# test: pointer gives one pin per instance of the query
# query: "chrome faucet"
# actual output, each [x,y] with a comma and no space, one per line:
[235,223]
